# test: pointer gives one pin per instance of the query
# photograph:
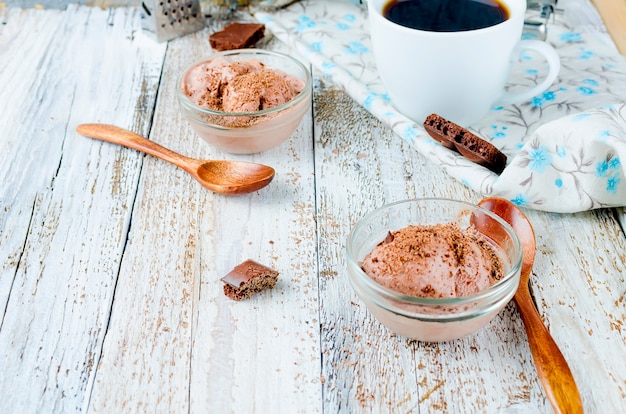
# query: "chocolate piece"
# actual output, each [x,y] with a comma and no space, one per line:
[247,279]
[455,137]
[237,36]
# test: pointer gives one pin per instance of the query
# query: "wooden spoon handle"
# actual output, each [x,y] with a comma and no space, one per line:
[552,368]
[126,138]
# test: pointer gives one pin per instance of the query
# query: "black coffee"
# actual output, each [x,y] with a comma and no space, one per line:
[446,15]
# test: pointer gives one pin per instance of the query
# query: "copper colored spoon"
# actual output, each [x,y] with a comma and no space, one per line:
[219,176]
[552,368]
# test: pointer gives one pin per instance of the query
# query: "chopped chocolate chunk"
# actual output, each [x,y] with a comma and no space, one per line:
[389,237]
[237,36]
[247,279]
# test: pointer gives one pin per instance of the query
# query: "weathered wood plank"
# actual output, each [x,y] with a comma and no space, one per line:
[614,15]
[210,353]
[366,367]
[22,53]
[66,200]
[579,285]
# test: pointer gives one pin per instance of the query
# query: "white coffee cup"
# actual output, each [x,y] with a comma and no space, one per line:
[458,75]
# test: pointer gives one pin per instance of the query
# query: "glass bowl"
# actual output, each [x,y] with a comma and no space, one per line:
[426,318]
[249,132]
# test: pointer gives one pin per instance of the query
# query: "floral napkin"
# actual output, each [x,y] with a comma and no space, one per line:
[564,147]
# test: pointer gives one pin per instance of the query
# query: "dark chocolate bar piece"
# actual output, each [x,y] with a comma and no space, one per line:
[472,147]
[248,278]
[237,36]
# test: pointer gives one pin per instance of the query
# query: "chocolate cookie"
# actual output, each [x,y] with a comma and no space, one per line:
[455,137]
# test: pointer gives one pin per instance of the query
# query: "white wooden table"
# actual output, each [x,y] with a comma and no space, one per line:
[110,261]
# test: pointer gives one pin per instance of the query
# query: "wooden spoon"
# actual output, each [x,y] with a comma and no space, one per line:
[219,176]
[552,368]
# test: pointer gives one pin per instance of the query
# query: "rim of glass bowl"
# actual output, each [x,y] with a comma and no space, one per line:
[371,284]
[304,93]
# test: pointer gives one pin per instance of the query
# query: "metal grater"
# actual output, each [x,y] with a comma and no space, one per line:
[167,19]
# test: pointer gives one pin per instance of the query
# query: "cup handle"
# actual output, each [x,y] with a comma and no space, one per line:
[554,64]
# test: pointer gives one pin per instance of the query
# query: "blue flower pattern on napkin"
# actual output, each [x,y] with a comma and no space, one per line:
[564,146]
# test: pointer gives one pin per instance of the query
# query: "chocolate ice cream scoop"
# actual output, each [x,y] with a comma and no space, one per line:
[434,261]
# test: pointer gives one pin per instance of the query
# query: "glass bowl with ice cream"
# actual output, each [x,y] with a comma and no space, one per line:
[245,101]
[433,269]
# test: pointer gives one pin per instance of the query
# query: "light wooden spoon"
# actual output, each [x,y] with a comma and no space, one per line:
[219,176]
[552,368]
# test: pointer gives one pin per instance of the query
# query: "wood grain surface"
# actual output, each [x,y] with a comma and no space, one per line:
[110,260]
[613,14]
